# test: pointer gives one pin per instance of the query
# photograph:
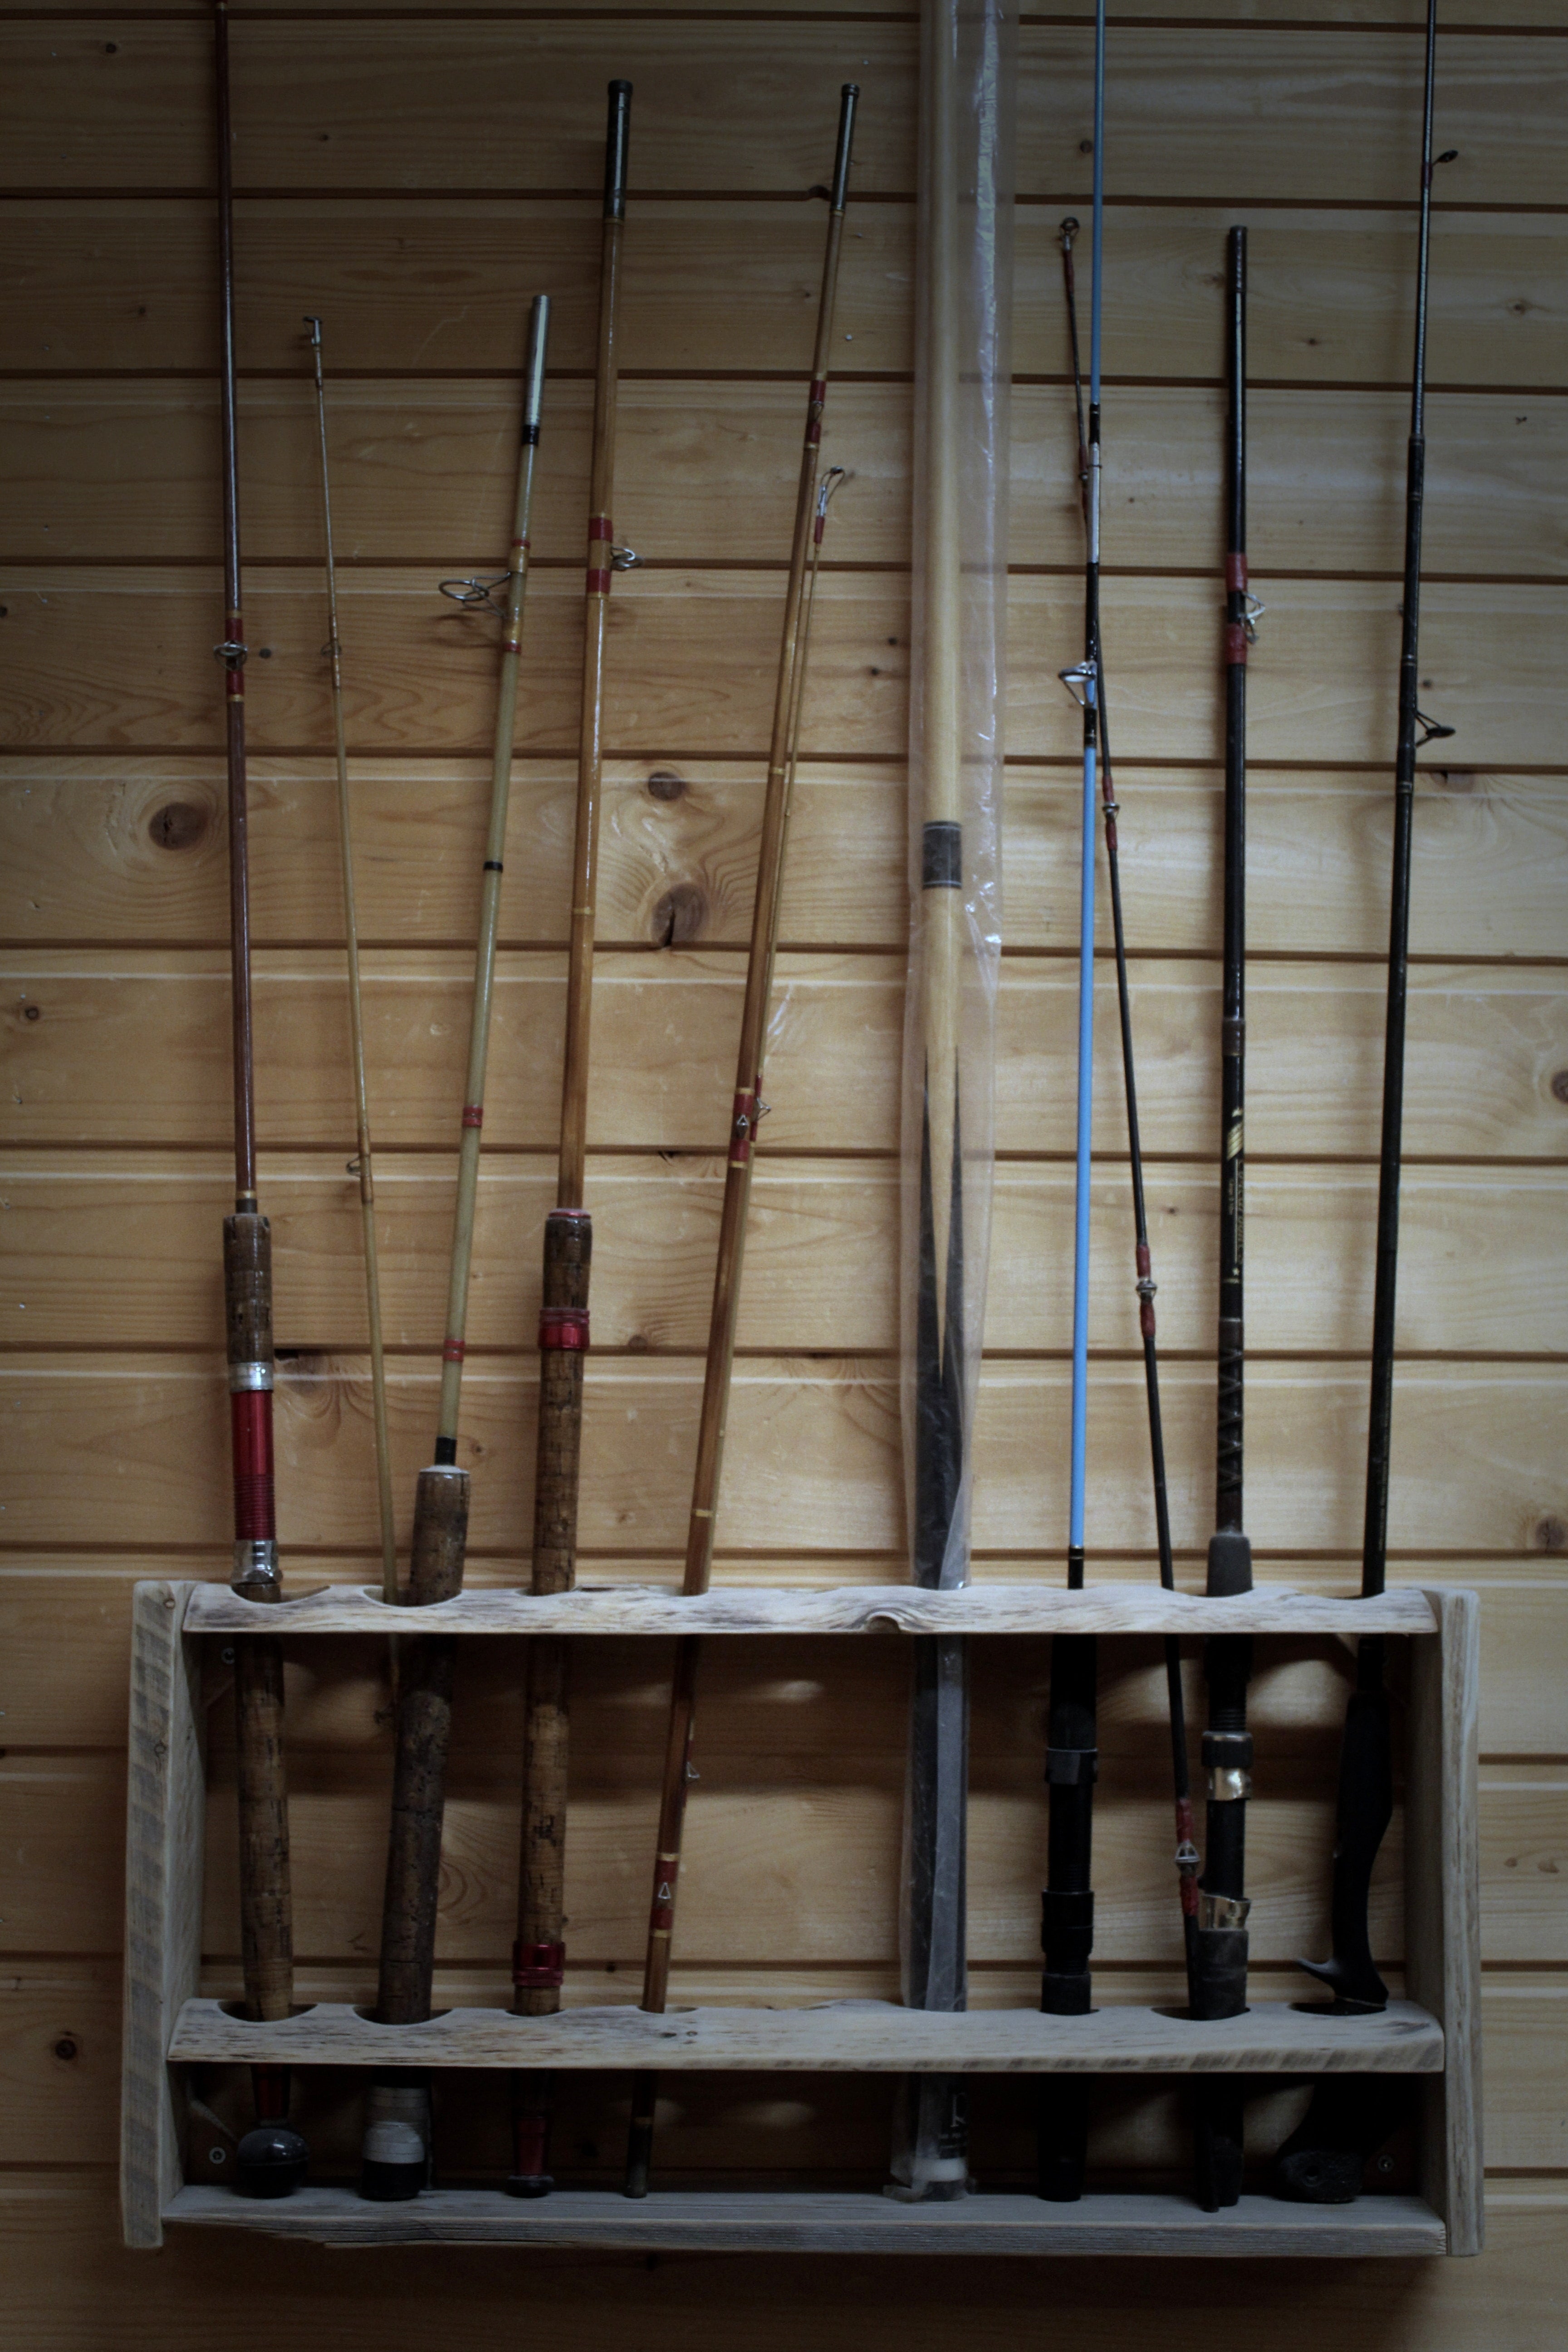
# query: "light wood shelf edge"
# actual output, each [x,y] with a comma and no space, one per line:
[866,2037]
[829,2221]
[623,1609]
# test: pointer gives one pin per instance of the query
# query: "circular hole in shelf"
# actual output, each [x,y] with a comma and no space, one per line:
[370,2018]
[236,2009]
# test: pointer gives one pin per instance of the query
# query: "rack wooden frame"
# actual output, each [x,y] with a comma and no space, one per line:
[1432,2034]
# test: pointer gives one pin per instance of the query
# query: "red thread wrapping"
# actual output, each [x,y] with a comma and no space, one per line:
[598,583]
[665,1872]
[818,392]
[1236,571]
[1143,1267]
[255,1513]
[599,526]
[453,1352]
[473,1114]
[1235,642]
[538,1967]
[563,1327]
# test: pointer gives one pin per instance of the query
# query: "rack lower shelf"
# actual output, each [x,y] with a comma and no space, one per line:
[863,2037]
[821,2221]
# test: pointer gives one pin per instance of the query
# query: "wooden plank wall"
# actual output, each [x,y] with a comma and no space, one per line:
[413,173]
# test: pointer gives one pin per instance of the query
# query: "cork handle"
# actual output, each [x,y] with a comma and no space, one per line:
[266,1913]
[538,1959]
[563,1343]
[424,1738]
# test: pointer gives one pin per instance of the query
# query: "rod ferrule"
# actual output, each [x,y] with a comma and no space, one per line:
[617,138]
[243,1377]
[256,1565]
[848,98]
[1223,1911]
[1071,1768]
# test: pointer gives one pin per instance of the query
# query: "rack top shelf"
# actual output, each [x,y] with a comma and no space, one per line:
[1274,2037]
[642,1609]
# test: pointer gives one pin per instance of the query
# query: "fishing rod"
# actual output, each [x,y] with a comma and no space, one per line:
[271,2160]
[396,2149]
[361,1166]
[1072,1760]
[1322,2162]
[745,1113]
[1218,1974]
[1186,1853]
[539,1954]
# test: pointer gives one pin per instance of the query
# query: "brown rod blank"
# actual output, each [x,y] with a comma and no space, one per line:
[539,1954]
[272,2160]
[397,2142]
[747,1109]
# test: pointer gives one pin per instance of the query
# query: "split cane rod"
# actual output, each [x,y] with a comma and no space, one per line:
[363,1167]
[539,1953]
[396,2147]
[744,1113]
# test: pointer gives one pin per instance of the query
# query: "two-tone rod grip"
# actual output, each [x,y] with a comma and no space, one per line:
[849,99]
[617,142]
[533,367]
[247,1303]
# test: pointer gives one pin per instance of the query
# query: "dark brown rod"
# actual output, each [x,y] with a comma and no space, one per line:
[1219,1971]
[272,2159]
[744,1113]
[539,1954]
[1324,2159]
[398,2133]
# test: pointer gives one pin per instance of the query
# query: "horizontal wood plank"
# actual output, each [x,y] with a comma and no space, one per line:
[443,284]
[735,106]
[693,653]
[128,471]
[133,846]
[135,1451]
[119,1252]
[70,2273]
[123,1047]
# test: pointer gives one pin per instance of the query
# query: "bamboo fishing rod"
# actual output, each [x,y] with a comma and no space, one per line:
[1322,2162]
[1218,1972]
[539,1953]
[1186,1853]
[1072,1761]
[745,1113]
[271,2160]
[397,2139]
[363,1167]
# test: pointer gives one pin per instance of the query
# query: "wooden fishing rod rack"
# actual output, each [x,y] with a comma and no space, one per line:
[1432,2034]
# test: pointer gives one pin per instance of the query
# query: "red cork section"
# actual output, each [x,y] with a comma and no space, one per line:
[563,1327]
[1235,642]
[1236,571]
[473,1114]
[538,1967]
[255,1515]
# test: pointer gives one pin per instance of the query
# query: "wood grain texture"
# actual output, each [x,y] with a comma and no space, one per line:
[130,846]
[128,1451]
[743,108]
[1477,1277]
[878,2037]
[81,1030]
[443,284]
[689,657]
[164,1838]
[124,470]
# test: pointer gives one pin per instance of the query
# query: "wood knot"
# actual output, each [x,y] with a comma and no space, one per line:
[178,824]
[664,784]
[1550,1534]
[679,916]
[1455,780]
[1560,1084]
